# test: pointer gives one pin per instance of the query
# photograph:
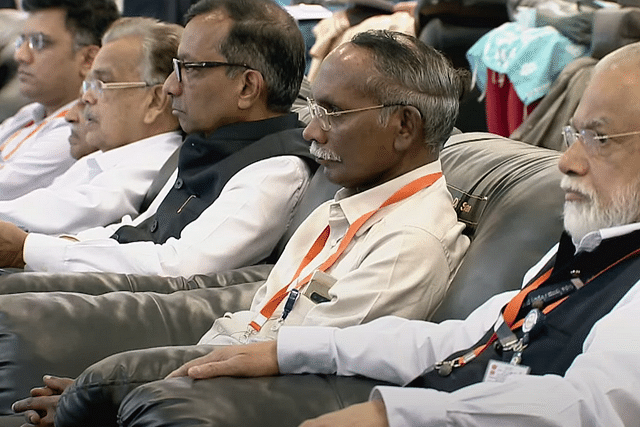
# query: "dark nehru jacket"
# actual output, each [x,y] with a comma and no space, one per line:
[206,164]
[566,327]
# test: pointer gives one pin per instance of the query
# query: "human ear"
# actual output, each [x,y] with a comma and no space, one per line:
[252,89]
[410,127]
[156,104]
[87,55]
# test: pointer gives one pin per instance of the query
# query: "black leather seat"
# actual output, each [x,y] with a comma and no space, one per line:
[506,190]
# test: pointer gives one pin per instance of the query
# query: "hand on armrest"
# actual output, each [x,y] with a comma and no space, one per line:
[253,360]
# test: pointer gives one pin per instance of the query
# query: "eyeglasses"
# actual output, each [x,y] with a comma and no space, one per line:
[178,65]
[318,112]
[590,138]
[98,86]
[36,42]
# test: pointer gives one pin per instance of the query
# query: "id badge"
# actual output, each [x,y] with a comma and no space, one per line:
[498,371]
[318,288]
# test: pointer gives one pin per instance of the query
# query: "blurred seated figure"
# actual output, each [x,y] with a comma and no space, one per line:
[11,100]
[54,51]
[127,117]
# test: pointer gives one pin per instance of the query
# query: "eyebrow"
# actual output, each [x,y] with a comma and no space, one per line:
[101,74]
[590,124]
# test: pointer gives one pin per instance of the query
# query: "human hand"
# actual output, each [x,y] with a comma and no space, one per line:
[40,408]
[367,414]
[252,360]
[11,245]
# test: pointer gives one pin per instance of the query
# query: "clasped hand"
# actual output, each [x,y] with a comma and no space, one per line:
[11,245]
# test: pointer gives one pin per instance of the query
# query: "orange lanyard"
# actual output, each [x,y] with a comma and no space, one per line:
[406,191]
[33,132]
[512,309]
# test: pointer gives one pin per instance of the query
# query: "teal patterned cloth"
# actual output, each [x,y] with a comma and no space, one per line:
[531,58]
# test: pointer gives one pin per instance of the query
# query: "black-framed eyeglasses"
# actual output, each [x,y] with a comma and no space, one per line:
[590,138]
[98,86]
[319,112]
[36,41]
[178,65]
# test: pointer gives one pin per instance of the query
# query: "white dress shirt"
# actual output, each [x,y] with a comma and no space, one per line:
[601,388]
[99,189]
[34,149]
[241,227]
[401,261]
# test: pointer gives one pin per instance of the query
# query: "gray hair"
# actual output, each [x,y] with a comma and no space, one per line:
[412,73]
[160,42]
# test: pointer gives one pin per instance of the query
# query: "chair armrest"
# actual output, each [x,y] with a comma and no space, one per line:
[101,283]
[274,401]
[62,333]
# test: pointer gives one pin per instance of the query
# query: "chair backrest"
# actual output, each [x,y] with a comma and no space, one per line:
[320,190]
[519,222]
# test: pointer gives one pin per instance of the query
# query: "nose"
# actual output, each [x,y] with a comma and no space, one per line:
[172,86]
[23,54]
[313,131]
[575,160]
[89,97]
[73,116]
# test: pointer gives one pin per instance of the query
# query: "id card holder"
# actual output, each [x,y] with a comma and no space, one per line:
[317,290]
[498,371]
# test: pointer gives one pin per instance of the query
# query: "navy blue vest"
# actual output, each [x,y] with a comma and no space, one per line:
[567,326]
[206,164]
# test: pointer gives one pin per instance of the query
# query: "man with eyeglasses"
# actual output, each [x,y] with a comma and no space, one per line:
[128,119]
[54,53]
[563,351]
[390,241]
[241,169]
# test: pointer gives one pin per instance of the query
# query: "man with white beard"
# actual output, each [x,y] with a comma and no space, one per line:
[565,350]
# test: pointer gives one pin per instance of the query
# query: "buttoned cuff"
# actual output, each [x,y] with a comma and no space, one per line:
[42,252]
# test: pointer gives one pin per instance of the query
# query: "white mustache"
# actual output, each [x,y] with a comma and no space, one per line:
[570,184]
[323,153]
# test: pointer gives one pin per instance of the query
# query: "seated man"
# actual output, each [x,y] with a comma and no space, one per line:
[54,53]
[241,169]
[572,327]
[128,118]
[390,242]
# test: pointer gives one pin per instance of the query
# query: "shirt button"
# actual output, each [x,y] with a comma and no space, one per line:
[179,183]
[154,226]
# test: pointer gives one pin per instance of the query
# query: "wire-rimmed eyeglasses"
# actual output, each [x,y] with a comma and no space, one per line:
[178,65]
[98,86]
[590,138]
[319,112]
[36,41]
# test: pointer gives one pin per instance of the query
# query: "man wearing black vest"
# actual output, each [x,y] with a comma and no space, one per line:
[563,351]
[241,169]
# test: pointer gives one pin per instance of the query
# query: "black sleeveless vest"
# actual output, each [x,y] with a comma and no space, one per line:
[567,326]
[206,164]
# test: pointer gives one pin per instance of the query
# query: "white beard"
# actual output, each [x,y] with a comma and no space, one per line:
[581,218]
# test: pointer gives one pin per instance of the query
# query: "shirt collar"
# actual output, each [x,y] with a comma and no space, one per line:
[108,159]
[593,239]
[354,205]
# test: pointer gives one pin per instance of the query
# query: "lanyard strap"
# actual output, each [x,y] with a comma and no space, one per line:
[512,309]
[403,193]
[33,132]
